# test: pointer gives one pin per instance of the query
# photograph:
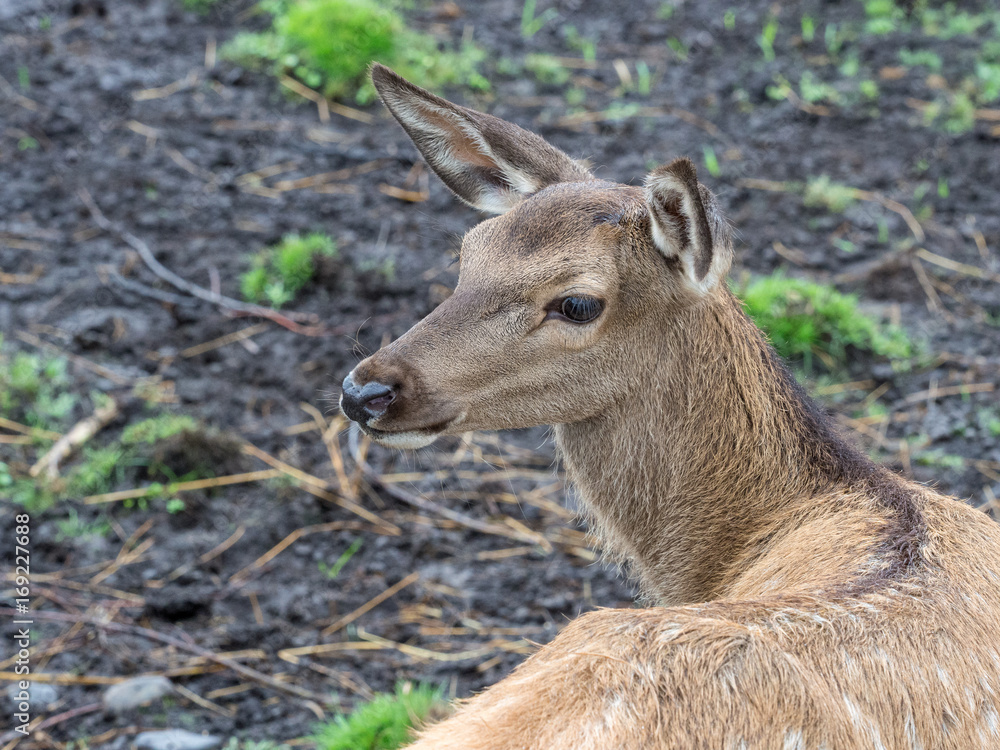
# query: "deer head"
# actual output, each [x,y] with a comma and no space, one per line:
[563,300]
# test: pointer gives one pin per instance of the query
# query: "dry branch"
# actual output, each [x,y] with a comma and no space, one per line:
[286,320]
[195,484]
[183,645]
[81,432]
[371,604]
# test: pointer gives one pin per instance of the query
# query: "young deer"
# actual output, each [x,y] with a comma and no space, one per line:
[813,599]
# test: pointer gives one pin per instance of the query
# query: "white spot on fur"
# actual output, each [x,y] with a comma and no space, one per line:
[911,733]
[853,711]
[944,677]
[862,723]
[992,720]
[793,740]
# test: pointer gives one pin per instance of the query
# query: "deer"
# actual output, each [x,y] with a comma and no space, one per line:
[801,595]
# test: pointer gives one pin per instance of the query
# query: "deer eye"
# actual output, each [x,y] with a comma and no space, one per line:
[580,309]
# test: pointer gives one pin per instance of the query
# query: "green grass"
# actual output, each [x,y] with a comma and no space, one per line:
[36,391]
[711,160]
[847,79]
[384,723]
[332,571]
[235,744]
[767,37]
[329,45]
[278,273]
[73,527]
[547,69]
[822,192]
[921,57]
[939,459]
[200,6]
[158,428]
[531,24]
[104,467]
[32,389]
[804,320]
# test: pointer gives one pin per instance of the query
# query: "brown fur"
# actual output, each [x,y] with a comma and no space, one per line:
[814,599]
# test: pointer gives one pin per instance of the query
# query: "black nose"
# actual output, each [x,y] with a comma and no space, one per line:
[367,401]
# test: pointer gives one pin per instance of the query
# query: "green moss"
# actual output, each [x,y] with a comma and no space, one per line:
[384,723]
[329,44]
[940,459]
[33,390]
[154,429]
[803,319]
[340,38]
[921,57]
[547,69]
[100,468]
[823,192]
[278,273]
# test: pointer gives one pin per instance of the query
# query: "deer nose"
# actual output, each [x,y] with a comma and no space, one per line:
[361,403]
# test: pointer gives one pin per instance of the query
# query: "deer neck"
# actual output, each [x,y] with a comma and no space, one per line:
[706,456]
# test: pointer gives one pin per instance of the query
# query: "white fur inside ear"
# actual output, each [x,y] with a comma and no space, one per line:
[663,244]
[675,236]
[453,145]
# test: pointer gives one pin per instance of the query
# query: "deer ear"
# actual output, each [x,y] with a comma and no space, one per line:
[683,216]
[489,163]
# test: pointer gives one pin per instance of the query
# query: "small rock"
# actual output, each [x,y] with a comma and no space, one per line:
[136,692]
[39,695]
[175,739]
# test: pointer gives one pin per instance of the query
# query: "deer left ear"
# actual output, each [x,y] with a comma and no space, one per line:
[686,224]
[491,164]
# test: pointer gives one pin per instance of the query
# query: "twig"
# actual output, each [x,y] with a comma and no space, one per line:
[194,484]
[953,265]
[148,291]
[23,278]
[323,105]
[287,320]
[82,432]
[411,196]
[241,576]
[57,719]
[203,702]
[229,338]
[952,390]
[35,432]
[371,604]
[161,92]
[430,506]
[324,177]
[116,627]
[319,488]
[933,300]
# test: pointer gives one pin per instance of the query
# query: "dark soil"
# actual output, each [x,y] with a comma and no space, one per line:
[166,165]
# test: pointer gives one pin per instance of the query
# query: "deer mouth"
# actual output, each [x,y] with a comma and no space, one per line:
[413,438]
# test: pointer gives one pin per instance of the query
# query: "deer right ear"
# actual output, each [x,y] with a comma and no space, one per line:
[680,224]
[489,163]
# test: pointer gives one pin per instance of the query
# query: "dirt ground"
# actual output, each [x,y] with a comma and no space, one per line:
[126,102]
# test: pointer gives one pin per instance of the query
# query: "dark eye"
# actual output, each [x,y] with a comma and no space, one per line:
[580,309]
